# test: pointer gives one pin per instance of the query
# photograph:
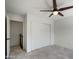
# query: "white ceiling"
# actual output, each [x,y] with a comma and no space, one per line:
[34,6]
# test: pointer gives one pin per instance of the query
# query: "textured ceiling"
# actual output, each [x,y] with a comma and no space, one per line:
[24,6]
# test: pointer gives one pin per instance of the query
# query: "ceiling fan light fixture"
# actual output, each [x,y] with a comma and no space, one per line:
[55,13]
[55,10]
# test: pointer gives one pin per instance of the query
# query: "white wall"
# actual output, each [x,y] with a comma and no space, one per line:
[64,32]
[15,17]
[40,32]
[40,35]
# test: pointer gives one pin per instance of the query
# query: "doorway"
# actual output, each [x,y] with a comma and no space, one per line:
[16,32]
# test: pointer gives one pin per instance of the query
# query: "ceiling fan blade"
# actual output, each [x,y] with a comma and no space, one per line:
[46,10]
[60,14]
[54,4]
[50,14]
[65,8]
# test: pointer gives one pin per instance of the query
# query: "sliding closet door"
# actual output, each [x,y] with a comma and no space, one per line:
[40,35]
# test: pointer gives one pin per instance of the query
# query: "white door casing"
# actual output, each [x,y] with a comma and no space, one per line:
[8,37]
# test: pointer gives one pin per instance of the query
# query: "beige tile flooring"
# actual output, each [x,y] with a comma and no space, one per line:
[49,52]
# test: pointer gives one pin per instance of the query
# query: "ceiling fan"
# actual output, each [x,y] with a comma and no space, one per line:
[56,11]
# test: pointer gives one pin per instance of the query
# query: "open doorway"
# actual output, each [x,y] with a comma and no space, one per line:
[16,31]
